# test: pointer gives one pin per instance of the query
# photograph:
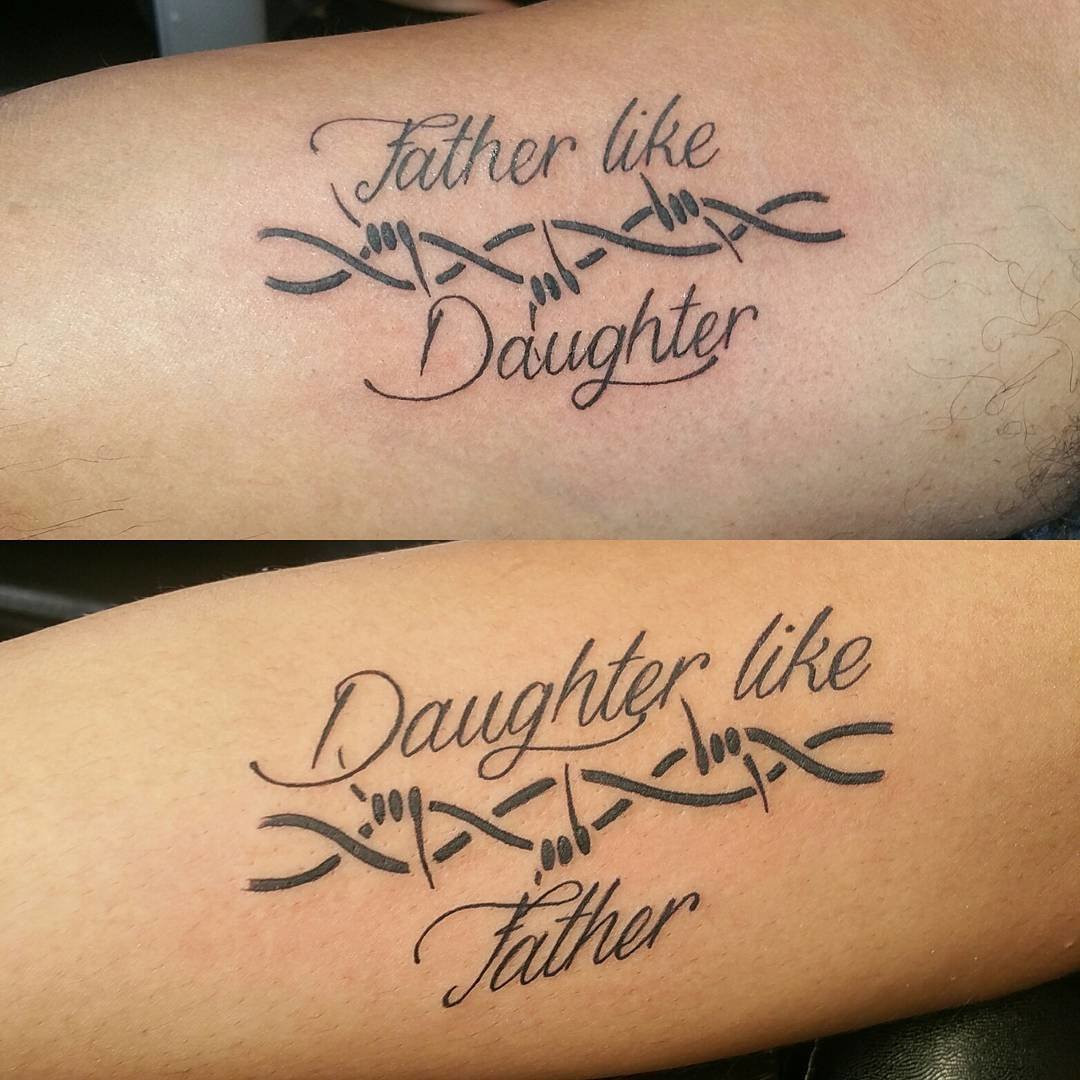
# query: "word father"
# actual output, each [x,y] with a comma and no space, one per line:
[526,949]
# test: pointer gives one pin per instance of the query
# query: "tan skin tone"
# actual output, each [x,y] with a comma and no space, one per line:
[129,814]
[912,379]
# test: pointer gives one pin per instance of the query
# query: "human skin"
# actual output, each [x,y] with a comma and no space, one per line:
[135,945]
[914,377]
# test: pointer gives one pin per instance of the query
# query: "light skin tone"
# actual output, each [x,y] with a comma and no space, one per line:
[912,378]
[134,946]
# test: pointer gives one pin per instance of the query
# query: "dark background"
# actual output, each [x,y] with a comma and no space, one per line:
[49,40]
[43,583]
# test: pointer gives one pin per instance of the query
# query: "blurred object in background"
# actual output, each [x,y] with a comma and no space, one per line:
[192,25]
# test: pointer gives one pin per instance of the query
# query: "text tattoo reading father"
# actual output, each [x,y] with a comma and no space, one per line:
[544,750]
[681,215]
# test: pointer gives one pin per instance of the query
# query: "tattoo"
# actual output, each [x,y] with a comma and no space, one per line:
[706,766]
[587,923]
[545,260]
[411,163]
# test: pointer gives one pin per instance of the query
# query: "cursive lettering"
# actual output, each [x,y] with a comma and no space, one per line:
[529,946]
[649,341]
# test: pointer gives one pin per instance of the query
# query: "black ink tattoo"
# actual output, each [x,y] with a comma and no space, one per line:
[550,264]
[606,350]
[590,708]
[846,667]
[529,947]
[607,706]
[417,160]
[623,151]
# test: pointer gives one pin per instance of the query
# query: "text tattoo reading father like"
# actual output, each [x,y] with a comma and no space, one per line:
[681,214]
[557,790]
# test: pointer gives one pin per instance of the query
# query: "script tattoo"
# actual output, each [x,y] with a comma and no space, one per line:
[545,259]
[557,733]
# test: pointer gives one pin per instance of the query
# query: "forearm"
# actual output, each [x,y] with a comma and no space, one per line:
[186,355]
[259,829]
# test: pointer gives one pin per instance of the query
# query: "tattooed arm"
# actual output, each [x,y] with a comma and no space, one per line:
[638,805]
[672,268]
